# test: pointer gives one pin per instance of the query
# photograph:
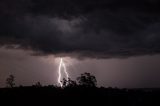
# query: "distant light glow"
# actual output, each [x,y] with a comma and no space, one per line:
[62,65]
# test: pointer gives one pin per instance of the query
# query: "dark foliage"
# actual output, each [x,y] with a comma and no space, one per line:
[87,80]
[51,95]
[82,93]
[38,84]
[10,81]
[69,83]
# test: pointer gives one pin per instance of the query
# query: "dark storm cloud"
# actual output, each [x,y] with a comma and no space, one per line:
[90,28]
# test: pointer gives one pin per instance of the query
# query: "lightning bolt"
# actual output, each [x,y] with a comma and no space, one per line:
[62,64]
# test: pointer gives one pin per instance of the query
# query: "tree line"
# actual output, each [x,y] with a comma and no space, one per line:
[85,80]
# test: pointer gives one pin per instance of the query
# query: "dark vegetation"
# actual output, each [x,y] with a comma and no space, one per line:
[84,91]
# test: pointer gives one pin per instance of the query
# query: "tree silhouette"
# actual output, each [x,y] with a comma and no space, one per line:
[10,81]
[87,80]
[64,82]
[37,84]
[69,83]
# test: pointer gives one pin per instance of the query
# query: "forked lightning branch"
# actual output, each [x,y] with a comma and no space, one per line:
[62,67]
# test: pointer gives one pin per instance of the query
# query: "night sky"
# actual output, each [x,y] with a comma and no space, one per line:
[118,41]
